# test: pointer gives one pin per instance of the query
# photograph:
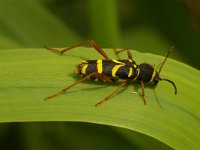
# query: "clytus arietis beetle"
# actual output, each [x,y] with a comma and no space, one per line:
[111,70]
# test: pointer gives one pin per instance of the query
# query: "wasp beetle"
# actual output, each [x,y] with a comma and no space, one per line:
[111,70]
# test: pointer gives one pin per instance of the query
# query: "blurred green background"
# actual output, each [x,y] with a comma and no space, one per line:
[149,26]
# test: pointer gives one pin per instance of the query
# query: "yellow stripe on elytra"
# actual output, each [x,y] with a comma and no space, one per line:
[118,62]
[130,72]
[83,70]
[114,70]
[99,66]
[153,75]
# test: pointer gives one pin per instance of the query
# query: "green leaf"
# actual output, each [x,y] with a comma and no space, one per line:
[29,75]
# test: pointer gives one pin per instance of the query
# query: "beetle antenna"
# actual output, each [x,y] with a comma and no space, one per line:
[175,89]
[169,51]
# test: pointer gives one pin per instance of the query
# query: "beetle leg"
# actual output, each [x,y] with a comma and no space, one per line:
[143,95]
[89,42]
[126,49]
[126,83]
[102,77]
[70,86]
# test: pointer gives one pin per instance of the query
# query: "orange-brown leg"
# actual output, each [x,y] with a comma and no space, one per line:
[69,87]
[126,49]
[89,42]
[143,95]
[102,77]
[126,83]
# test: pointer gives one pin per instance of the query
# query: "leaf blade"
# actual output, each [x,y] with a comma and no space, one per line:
[32,74]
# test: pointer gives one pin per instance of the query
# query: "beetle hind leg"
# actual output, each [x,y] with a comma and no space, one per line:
[89,42]
[69,87]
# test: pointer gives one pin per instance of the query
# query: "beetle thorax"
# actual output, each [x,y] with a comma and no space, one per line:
[148,74]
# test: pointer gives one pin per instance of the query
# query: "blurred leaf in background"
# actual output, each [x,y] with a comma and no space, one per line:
[149,26]
[30,24]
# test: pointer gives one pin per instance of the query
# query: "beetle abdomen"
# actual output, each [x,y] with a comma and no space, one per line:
[123,69]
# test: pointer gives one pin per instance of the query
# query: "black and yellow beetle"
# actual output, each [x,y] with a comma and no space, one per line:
[111,70]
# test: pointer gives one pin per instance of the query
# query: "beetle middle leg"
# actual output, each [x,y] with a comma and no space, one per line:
[126,49]
[126,83]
